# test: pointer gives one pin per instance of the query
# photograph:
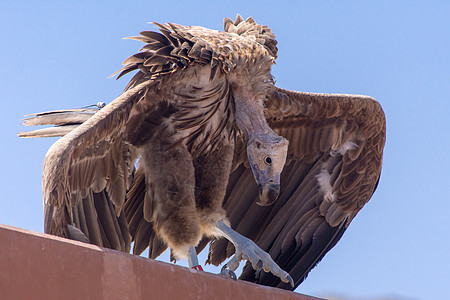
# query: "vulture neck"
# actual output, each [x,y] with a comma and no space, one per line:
[250,117]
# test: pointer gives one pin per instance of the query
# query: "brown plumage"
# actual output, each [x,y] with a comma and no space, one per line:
[212,134]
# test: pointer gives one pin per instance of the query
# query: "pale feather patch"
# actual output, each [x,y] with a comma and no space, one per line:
[323,178]
[344,148]
[329,208]
[180,252]
[209,220]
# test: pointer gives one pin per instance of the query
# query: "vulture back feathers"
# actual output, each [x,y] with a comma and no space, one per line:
[171,152]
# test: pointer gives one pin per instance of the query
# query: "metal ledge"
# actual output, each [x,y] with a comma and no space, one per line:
[41,266]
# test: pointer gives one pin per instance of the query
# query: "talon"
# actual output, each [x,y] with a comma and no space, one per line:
[224,268]
[227,272]
[259,266]
[291,281]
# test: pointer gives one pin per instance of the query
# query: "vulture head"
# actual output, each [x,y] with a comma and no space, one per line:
[267,156]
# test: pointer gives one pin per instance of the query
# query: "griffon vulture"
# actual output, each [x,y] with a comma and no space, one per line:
[223,155]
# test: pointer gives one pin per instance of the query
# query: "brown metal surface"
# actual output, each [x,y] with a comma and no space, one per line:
[41,266]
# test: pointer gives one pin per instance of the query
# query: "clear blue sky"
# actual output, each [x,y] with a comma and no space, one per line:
[58,54]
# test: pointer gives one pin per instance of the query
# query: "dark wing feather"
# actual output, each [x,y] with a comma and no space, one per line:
[336,144]
[64,120]
[87,173]
[93,218]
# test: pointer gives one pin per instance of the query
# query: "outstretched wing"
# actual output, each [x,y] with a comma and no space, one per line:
[87,172]
[333,166]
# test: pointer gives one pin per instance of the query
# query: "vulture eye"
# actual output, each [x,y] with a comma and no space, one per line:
[268,160]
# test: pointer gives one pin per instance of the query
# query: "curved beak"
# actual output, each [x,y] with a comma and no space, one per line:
[268,185]
[268,193]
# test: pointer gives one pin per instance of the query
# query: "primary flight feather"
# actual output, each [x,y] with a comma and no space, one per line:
[224,156]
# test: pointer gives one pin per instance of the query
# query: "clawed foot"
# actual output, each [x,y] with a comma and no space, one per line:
[259,259]
[227,272]
[248,250]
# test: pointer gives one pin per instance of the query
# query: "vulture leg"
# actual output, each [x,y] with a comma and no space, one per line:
[211,179]
[170,201]
[193,259]
[248,250]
